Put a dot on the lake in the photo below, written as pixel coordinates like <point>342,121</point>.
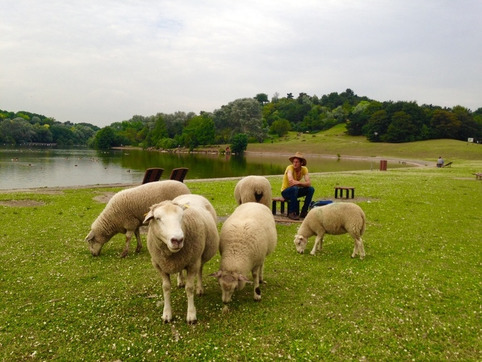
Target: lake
<point>49,167</point>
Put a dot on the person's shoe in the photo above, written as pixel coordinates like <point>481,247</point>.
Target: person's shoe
<point>293,216</point>
<point>303,214</point>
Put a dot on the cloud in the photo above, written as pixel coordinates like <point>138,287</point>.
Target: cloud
<point>102,62</point>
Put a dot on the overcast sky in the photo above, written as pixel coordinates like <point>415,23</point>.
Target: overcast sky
<point>103,61</point>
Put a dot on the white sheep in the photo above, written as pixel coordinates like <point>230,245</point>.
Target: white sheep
<point>246,238</point>
<point>181,237</point>
<point>194,200</point>
<point>125,212</point>
<point>333,219</point>
<point>253,189</point>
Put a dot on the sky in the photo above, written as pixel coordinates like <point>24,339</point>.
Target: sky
<point>105,61</point>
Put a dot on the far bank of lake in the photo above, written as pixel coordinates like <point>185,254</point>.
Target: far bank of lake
<point>53,167</point>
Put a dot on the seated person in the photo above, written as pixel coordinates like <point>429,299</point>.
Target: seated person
<point>293,187</point>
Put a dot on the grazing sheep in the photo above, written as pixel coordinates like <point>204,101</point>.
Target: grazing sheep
<point>125,212</point>
<point>334,219</point>
<point>253,189</point>
<point>246,238</point>
<point>181,237</point>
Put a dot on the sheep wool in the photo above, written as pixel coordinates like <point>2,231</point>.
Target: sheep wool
<point>253,189</point>
<point>196,200</point>
<point>126,210</point>
<point>246,238</point>
<point>181,237</point>
<point>334,219</point>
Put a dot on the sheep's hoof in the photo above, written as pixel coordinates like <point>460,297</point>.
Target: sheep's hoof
<point>194,321</point>
<point>124,253</point>
<point>166,320</point>
<point>138,249</point>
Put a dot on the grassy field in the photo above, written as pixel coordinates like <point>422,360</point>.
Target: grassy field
<point>416,296</point>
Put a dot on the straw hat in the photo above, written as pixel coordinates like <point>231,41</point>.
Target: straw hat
<point>299,156</point>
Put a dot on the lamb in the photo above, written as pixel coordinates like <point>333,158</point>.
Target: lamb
<point>334,219</point>
<point>181,237</point>
<point>125,212</point>
<point>246,238</point>
<point>253,189</point>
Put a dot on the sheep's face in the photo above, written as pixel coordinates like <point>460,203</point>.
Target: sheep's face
<point>300,243</point>
<point>167,217</point>
<point>229,282</point>
<point>96,242</point>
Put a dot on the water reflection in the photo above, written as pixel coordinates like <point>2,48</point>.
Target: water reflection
<point>40,167</point>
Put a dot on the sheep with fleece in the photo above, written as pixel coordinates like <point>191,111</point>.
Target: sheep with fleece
<point>181,237</point>
<point>253,189</point>
<point>194,200</point>
<point>125,211</point>
<point>246,238</point>
<point>333,219</point>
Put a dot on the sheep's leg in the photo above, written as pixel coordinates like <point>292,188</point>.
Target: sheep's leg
<point>318,244</point>
<point>128,241</point>
<point>257,291</point>
<point>180,279</point>
<point>166,289</point>
<point>360,248</point>
<point>191,308</point>
<point>199,282</point>
<point>139,240</point>
<point>261,271</point>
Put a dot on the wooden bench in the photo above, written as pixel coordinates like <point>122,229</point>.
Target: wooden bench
<point>282,202</point>
<point>178,174</point>
<point>152,174</point>
<point>448,164</point>
<point>349,191</point>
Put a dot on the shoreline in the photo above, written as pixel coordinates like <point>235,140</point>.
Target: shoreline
<point>58,189</point>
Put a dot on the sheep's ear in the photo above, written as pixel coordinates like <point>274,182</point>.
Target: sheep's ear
<point>148,217</point>
<point>216,274</point>
<point>90,237</point>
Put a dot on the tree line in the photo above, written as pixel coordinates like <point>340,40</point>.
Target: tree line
<point>255,120</point>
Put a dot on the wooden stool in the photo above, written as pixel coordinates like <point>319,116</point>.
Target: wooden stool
<point>347,189</point>
<point>282,202</point>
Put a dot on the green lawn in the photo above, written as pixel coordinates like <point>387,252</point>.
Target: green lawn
<point>416,295</point>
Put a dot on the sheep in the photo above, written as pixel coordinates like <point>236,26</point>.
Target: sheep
<point>246,238</point>
<point>333,219</point>
<point>253,189</point>
<point>125,212</point>
<point>194,200</point>
<point>181,237</point>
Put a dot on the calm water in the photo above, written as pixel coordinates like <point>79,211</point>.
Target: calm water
<point>47,167</point>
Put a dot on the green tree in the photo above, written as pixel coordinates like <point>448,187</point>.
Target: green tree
<point>401,128</point>
<point>445,124</point>
<point>262,98</point>
<point>239,143</point>
<point>105,138</point>
<point>280,127</point>
<point>199,131</point>
<point>377,126</point>
<point>240,116</point>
